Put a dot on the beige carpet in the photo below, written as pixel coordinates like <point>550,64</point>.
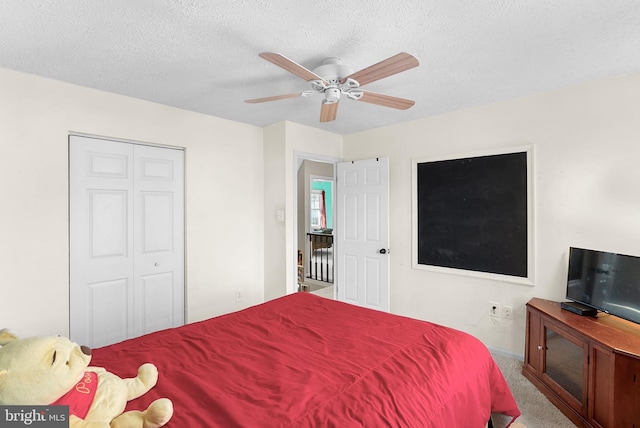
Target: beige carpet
<point>537,411</point>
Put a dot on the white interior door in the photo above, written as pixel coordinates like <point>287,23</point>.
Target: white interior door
<point>362,253</point>
<point>126,212</point>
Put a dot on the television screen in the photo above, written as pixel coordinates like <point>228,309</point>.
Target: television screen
<point>608,282</point>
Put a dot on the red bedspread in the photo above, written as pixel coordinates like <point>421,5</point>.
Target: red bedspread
<point>306,361</point>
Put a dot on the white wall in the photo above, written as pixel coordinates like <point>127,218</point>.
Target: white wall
<point>586,160</point>
<point>587,178</point>
<point>274,200</point>
<point>224,197</point>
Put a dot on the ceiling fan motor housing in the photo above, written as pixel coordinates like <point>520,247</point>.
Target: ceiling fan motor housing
<point>332,70</point>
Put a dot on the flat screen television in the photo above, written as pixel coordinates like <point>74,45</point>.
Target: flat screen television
<point>608,282</point>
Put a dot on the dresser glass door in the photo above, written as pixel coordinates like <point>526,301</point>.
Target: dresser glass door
<point>564,363</point>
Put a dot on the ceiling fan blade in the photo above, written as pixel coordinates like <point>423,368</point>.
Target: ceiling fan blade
<point>388,67</point>
<point>386,100</point>
<point>328,111</point>
<point>273,98</point>
<point>290,66</point>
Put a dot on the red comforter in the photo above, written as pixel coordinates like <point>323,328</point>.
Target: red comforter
<point>306,361</point>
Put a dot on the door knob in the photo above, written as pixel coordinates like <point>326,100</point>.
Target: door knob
<point>156,264</point>
<point>383,251</point>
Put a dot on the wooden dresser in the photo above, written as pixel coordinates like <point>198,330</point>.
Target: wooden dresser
<point>589,367</point>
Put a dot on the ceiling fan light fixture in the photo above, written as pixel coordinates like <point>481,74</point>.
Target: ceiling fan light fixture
<point>332,95</point>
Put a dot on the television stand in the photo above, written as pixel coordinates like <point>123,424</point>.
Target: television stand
<point>589,367</point>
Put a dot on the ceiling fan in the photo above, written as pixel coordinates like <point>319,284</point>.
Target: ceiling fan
<point>333,78</point>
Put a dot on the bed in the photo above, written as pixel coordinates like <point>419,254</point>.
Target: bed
<point>306,361</point>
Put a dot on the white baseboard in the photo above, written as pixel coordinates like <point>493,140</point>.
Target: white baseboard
<point>505,353</point>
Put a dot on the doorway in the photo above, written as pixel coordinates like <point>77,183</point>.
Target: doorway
<point>314,223</point>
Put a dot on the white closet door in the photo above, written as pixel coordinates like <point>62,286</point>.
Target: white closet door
<point>126,208</point>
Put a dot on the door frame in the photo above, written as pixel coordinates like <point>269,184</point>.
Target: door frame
<point>125,140</point>
<point>292,255</point>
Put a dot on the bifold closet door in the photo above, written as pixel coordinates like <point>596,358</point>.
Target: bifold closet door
<point>126,212</point>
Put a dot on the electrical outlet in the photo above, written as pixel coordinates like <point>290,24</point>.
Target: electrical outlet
<point>507,312</point>
<point>238,296</point>
<point>494,309</point>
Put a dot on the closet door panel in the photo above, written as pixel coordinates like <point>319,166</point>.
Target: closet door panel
<point>156,299</point>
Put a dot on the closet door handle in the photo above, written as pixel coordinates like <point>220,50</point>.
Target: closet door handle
<point>383,251</point>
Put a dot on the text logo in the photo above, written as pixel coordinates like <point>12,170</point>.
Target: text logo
<point>34,416</point>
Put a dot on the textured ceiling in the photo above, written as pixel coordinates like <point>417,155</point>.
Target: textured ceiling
<point>203,55</point>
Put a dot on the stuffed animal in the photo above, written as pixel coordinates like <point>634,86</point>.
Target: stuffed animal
<point>52,370</point>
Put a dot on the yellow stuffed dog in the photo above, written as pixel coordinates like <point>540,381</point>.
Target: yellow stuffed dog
<point>55,371</point>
